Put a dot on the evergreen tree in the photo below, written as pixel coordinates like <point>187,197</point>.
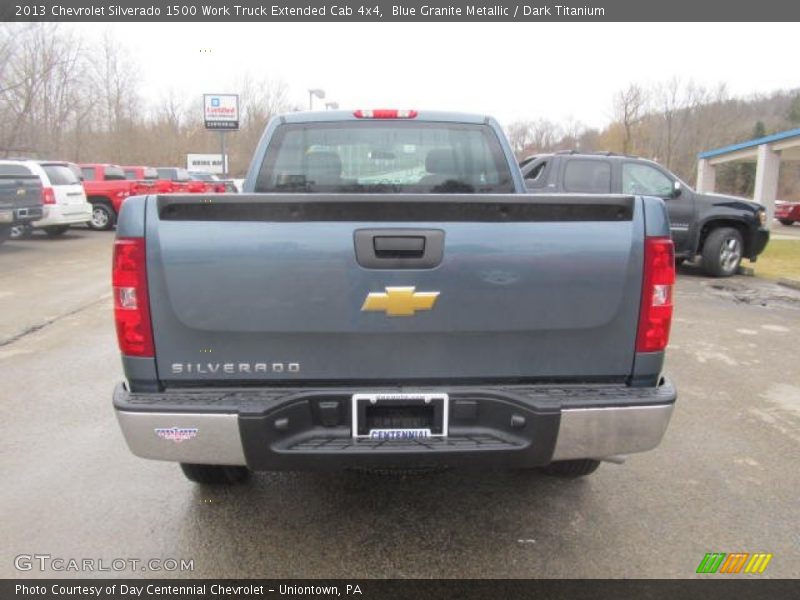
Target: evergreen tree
<point>794,111</point>
<point>747,171</point>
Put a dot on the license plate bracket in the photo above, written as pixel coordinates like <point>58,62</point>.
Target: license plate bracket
<point>400,416</point>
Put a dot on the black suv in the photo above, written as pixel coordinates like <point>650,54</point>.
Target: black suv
<point>721,229</point>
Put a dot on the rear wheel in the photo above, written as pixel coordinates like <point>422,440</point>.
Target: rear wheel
<point>722,252</point>
<point>103,217</point>
<point>56,230</point>
<point>786,221</point>
<point>572,468</point>
<point>215,474</point>
<point>679,261</point>
<point>5,233</point>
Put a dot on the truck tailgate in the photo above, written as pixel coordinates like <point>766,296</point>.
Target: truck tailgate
<point>20,192</point>
<point>268,287</point>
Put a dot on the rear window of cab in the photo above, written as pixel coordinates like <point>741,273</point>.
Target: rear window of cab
<point>389,156</point>
<point>14,171</point>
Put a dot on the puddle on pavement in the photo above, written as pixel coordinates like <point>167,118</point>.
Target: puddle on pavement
<point>757,293</point>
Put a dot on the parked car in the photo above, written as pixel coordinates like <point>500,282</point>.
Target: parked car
<point>788,213</point>
<point>720,229</point>
<point>182,182</point>
<point>385,295</point>
<point>107,188</point>
<point>147,180</point>
<point>21,197</point>
<point>64,201</point>
<point>214,183</point>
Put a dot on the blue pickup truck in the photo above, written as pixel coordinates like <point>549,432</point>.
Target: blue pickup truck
<point>384,294</point>
<point>20,197</point>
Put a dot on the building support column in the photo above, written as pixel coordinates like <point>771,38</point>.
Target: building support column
<point>766,187</point>
<point>706,176</point>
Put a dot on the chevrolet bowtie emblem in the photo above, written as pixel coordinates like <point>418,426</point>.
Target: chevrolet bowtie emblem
<point>400,301</point>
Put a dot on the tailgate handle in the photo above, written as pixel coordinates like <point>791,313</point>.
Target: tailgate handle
<point>399,248</point>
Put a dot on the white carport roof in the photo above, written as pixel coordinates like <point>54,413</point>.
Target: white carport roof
<point>785,142</point>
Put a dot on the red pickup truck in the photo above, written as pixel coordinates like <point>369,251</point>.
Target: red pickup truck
<point>171,180</point>
<point>147,180</point>
<point>181,181</point>
<point>214,183</point>
<point>106,189</point>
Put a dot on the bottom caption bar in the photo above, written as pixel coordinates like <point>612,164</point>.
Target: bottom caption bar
<point>468,589</point>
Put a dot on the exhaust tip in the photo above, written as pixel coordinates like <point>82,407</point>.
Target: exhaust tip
<point>617,459</point>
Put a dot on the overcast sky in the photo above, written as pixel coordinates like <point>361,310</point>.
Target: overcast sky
<point>509,70</point>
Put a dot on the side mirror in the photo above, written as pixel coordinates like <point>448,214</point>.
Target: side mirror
<point>677,189</point>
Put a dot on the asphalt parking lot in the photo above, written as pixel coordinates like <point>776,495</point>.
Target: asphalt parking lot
<point>725,479</point>
<point>786,232</point>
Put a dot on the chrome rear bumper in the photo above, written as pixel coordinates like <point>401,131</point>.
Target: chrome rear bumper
<point>273,429</point>
<point>602,432</point>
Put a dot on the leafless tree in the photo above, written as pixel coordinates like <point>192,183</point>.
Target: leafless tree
<point>115,82</point>
<point>519,136</point>
<point>260,99</point>
<point>630,106</point>
<point>8,37</point>
<point>41,80</point>
<point>529,137</point>
<point>572,132</point>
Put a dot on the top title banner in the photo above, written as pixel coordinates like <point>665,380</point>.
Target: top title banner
<point>402,10</point>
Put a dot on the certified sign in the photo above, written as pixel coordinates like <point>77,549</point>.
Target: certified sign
<point>221,111</point>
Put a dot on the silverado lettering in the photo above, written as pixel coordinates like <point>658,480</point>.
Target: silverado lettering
<point>231,368</point>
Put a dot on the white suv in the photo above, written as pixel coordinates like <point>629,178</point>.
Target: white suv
<point>64,200</point>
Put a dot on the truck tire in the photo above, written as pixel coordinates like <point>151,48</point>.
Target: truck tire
<point>103,216</point>
<point>786,221</point>
<point>722,252</point>
<point>215,474</point>
<point>572,468</point>
<point>5,233</point>
<point>56,230</point>
<point>21,232</point>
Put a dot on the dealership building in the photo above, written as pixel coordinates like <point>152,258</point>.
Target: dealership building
<point>767,152</point>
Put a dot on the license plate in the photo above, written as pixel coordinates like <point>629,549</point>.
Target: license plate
<point>400,416</point>
<point>398,434</point>
<point>6,216</point>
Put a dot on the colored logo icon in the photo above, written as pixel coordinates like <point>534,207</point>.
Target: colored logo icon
<point>734,563</point>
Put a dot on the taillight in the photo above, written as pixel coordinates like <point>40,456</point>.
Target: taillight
<point>48,195</point>
<point>385,113</point>
<point>655,315</point>
<point>131,304</point>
